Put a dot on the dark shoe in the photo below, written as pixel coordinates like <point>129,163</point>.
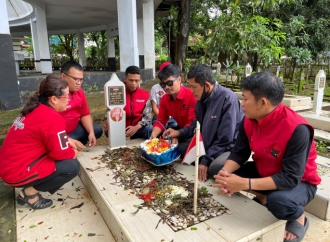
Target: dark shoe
<point>39,204</point>
<point>296,228</point>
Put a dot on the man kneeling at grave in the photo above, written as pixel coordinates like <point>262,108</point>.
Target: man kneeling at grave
<point>77,117</point>
<point>137,108</point>
<point>219,113</point>
<point>179,103</point>
<point>282,174</point>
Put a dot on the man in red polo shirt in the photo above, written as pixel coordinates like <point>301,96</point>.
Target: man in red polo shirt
<point>178,102</point>
<point>79,123</point>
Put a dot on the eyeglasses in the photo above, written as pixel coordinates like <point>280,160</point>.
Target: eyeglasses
<point>168,83</point>
<point>75,78</point>
<point>64,96</point>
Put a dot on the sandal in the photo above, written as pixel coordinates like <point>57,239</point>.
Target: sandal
<point>296,228</point>
<point>39,204</point>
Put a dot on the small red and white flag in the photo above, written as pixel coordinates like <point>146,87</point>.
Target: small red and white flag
<point>190,155</point>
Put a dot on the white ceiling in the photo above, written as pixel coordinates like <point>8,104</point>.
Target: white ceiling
<point>65,16</point>
<point>18,9</point>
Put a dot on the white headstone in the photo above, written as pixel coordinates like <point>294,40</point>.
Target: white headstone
<point>218,69</point>
<point>278,71</point>
<point>115,101</point>
<point>319,91</point>
<point>247,70</point>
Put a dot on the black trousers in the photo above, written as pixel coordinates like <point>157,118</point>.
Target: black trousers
<point>66,170</point>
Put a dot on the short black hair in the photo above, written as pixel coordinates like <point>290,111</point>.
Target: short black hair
<point>202,73</point>
<point>132,70</point>
<point>170,70</point>
<point>66,66</point>
<point>265,84</point>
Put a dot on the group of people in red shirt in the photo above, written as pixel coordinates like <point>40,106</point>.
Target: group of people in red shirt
<point>39,151</point>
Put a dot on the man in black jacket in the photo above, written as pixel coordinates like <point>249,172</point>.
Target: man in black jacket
<point>219,113</point>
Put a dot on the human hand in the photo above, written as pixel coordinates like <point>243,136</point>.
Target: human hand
<point>202,173</point>
<point>106,126</point>
<point>76,144</point>
<point>91,139</point>
<point>75,153</point>
<point>229,183</point>
<point>174,141</point>
<point>171,133</point>
<point>152,136</point>
<point>220,182</point>
<point>131,130</point>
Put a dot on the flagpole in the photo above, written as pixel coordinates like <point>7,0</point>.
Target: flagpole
<point>196,166</point>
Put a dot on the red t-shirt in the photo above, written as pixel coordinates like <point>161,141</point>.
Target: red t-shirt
<point>77,108</point>
<point>182,109</point>
<point>32,145</point>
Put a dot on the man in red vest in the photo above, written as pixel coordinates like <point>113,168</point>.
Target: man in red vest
<point>137,108</point>
<point>282,174</point>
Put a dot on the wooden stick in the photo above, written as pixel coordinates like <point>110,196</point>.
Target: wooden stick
<point>196,166</point>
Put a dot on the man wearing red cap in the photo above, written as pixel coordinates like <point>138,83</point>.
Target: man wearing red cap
<point>178,102</point>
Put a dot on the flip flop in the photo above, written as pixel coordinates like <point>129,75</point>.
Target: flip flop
<point>296,228</point>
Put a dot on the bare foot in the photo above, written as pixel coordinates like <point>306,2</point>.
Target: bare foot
<point>290,236</point>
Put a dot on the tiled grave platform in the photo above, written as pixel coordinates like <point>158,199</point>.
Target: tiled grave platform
<point>249,221</point>
<point>62,224</point>
<point>320,205</point>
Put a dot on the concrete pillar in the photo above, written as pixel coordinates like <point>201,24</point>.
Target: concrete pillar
<point>81,49</point>
<point>149,35</point>
<point>9,94</point>
<point>45,61</point>
<point>111,50</point>
<point>127,33</point>
<point>140,42</point>
<point>35,42</point>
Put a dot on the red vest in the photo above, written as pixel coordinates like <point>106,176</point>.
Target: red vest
<point>135,104</point>
<point>269,137</point>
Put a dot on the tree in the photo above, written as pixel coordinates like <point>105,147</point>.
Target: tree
<point>67,45</point>
<point>245,34</point>
<point>100,39</point>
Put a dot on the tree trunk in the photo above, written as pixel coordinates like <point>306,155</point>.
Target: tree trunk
<point>255,62</point>
<point>222,58</point>
<point>184,30</point>
<point>294,71</point>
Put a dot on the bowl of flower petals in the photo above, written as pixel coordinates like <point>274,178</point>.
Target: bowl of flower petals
<point>159,152</point>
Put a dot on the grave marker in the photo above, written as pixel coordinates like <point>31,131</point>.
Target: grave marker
<point>115,101</point>
<point>319,91</point>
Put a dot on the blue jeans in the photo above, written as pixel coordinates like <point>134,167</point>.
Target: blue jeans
<point>66,170</point>
<point>284,205</point>
<point>171,123</point>
<point>143,133</point>
<point>81,134</point>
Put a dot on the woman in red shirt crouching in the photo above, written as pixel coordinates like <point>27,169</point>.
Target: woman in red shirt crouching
<point>37,154</point>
